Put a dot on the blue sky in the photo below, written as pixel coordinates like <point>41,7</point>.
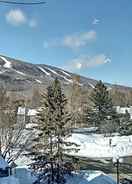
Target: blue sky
<point>89,37</point>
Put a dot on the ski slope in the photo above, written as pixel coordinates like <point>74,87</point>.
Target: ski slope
<point>98,146</point>
<point>44,71</point>
<point>7,63</point>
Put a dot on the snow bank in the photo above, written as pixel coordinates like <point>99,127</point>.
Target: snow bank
<point>98,146</point>
<point>9,180</point>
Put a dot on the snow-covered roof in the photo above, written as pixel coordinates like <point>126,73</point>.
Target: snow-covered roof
<point>3,163</point>
<point>102,179</point>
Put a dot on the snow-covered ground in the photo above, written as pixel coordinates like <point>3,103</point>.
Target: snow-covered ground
<point>98,146</point>
<point>92,146</point>
<point>24,176</point>
<point>9,180</point>
<point>90,177</point>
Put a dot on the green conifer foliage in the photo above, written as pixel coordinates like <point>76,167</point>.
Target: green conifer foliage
<point>103,112</point>
<point>51,145</point>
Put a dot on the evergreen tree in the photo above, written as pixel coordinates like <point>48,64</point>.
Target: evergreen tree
<point>103,111</point>
<point>125,124</point>
<point>53,121</point>
<point>13,137</point>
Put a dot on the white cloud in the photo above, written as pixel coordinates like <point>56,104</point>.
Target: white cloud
<point>80,40</point>
<point>95,21</point>
<point>73,41</point>
<point>84,62</point>
<point>16,17</point>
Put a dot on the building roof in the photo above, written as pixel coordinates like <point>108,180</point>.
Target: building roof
<point>102,179</point>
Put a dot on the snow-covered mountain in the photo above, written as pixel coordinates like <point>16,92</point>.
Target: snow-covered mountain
<point>18,75</point>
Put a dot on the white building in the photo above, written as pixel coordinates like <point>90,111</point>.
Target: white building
<point>122,110</point>
<point>26,114</point>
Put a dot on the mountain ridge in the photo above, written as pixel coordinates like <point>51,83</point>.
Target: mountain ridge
<point>20,75</point>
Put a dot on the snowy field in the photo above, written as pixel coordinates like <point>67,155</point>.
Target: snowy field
<point>91,146</point>
<point>98,146</point>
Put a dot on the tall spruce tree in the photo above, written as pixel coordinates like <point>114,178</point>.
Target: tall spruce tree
<point>103,111</point>
<point>50,146</point>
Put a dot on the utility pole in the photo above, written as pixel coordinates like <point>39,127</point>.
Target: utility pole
<point>116,161</point>
<point>117,171</point>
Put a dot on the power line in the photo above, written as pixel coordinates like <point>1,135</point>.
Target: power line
<point>22,3</point>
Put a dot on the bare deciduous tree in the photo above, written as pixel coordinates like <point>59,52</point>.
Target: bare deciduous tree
<point>14,138</point>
